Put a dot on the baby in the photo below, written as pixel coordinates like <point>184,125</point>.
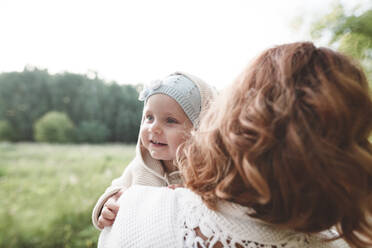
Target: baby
<point>172,108</point>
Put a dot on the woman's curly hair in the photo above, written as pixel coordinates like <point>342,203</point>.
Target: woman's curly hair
<point>290,140</point>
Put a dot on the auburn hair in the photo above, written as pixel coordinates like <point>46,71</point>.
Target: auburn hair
<point>289,139</point>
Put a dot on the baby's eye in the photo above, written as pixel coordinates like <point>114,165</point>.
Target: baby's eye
<point>171,120</point>
<point>149,117</point>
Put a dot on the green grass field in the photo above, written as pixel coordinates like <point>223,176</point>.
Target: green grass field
<point>47,192</point>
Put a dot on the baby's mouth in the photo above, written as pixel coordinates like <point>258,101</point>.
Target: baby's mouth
<point>157,143</point>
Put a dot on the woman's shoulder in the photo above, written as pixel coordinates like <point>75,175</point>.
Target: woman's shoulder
<point>159,197</point>
<point>181,218</point>
<point>168,205</point>
<point>151,215</point>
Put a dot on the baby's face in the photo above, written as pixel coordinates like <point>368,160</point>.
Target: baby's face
<point>165,126</point>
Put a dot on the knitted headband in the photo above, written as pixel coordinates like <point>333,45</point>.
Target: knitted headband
<point>179,87</point>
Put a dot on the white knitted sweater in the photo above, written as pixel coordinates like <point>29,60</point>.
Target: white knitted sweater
<point>161,217</point>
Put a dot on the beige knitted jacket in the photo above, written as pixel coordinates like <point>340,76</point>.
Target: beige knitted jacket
<point>143,169</point>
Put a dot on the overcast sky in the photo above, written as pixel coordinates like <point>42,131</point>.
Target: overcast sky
<point>136,41</point>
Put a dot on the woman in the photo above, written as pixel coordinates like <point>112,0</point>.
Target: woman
<point>282,159</point>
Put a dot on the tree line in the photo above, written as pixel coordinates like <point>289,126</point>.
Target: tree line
<point>93,107</point>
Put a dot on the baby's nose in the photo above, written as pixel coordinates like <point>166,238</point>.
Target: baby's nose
<point>155,127</point>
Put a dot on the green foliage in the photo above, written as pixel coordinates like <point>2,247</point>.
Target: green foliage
<point>55,127</point>
<point>2,172</point>
<point>48,192</point>
<point>126,110</point>
<point>26,96</point>
<point>92,132</point>
<point>6,132</point>
<point>349,31</point>
<point>89,100</point>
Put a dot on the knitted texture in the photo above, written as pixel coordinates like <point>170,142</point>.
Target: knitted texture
<point>161,217</point>
<point>207,93</point>
<point>181,89</point>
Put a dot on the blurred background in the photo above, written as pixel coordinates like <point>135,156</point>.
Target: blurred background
<point>70,73</point>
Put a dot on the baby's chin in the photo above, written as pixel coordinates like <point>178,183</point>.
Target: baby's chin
<point>160,156</point>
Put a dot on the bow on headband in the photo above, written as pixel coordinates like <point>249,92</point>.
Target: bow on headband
<point>147,89</point>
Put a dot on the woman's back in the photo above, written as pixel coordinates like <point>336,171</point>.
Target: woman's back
<point>178,218</point>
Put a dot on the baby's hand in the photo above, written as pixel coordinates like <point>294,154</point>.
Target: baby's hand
<point>173,186</point>
<point>109,210</point>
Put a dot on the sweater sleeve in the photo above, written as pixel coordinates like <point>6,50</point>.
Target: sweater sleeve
<point>146,218</point>
<point>124,181</point>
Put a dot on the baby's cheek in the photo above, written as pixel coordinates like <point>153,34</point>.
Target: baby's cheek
<point>143,135</point>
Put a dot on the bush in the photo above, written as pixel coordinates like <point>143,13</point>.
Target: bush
<point>92,132</point>
<point>7,133</point>
<point>54,127</point>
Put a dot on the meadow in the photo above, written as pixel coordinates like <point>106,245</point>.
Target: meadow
<point>47,192</point>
